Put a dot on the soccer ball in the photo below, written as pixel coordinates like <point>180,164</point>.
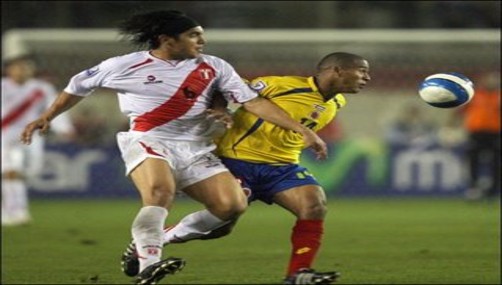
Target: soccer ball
<point>446,90</point>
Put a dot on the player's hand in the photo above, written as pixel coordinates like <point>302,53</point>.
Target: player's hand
<point>311,139</point>
<point>39,124</point>
<point>221,115</point>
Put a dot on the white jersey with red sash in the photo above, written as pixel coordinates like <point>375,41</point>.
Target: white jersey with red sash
<point>21,104</point>
<point>166,99</point>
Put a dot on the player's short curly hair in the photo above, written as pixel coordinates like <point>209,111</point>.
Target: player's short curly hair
<point>342,59</point>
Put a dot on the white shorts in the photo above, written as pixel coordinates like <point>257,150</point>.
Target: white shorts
<point>191,162</point>
<point>25,159</point>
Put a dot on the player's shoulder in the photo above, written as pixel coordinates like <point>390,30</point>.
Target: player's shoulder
<point>212,60</point>
<point>289,80</point>
<point>40,83</point>
<point>128,60</point>
<point>48,88</point>
<point>281,82</point>
<point>340,100</point>
<point>209,57</point>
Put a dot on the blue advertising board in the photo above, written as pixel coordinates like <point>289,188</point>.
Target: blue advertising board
<point>376,168</point>
<point>355,167</point>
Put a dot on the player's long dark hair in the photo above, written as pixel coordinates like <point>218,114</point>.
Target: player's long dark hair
<point>144,29</point>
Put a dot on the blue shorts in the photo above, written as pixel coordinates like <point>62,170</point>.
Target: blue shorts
<point>265,180</point>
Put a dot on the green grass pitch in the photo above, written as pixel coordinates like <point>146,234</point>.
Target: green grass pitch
<point>370,241</point>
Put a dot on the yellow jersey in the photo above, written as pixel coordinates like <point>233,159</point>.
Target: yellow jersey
<point>254,140</point>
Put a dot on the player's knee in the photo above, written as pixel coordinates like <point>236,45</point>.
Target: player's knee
<point>159,195</point>
<point>234,210</point>
<point>229,208</point>
<point>314,211</point>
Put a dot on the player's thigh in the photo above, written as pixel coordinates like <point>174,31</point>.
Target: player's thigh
<point>34,162</point>
<point>305,201</point>
<point>13,162</point>
<point>155,182</point>
<point>220,191</point>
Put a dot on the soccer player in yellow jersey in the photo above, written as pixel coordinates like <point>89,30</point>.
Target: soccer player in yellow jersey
<point>265,158</point>
<point>253,140</point>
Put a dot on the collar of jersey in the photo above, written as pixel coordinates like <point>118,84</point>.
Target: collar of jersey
<point>171,62</point>
<point>312,84</point>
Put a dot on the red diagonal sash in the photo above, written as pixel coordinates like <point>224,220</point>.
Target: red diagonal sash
<point>184,98</point>
<point>22,108</point>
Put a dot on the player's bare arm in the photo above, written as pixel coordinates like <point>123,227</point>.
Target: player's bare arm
<point>268,111</point>
<point>64,102</point>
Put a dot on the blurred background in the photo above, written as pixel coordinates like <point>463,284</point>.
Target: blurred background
<point>262,14</point>
<point>385,142</point>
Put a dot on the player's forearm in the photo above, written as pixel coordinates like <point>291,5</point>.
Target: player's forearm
<point>270,112</point>
<point>62,103</point>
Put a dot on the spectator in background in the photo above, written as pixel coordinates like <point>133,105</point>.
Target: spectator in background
<point>481,120</point>
<point>411,128</point>
<point>24,98</point>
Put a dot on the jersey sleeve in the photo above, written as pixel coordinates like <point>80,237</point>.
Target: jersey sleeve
<point>263,87</point>
<point>231,85</point>
<point>85,82</point>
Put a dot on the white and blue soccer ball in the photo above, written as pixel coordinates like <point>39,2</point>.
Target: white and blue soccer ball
<point>446,90</point>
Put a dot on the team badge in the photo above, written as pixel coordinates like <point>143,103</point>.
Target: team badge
<point>317,111</point>
<point>206,73</point>
<point>258,85</point>
<point>93,70</point>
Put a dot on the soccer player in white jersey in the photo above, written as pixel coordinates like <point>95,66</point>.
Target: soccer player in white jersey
<point>24,98</point>
<point>166,91</point>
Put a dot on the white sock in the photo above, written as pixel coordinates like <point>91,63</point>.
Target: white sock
<point>147,231</point>
<point>6,201</point>
<point>193,226</point>
<point>14,200</point>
